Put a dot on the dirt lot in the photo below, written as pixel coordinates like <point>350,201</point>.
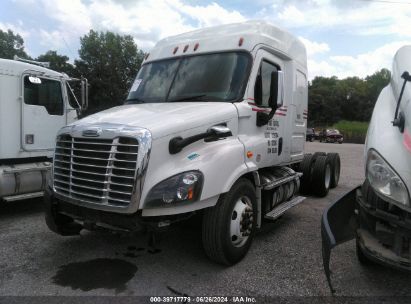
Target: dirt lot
<point>285,259</point>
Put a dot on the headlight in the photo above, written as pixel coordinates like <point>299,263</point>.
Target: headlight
<point>180,188</point>
<point>385,180</point>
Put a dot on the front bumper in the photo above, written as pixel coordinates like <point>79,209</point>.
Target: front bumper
<point>384,233</point>
<point>382,236</point>
<point>93,218</point>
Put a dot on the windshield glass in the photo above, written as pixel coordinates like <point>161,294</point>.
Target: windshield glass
<point>216,77</point>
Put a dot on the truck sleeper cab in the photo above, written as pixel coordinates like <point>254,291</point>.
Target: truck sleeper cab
<point>212,124</point>
<point>377,214</point>
<point>35,102</point>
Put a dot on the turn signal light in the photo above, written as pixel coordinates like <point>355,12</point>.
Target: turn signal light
<point>249,154</point>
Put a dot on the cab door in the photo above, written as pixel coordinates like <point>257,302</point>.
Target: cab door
<point>271,136</point>
<point>43,112</point>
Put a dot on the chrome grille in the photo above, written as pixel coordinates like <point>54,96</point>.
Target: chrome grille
<point>99,171</point>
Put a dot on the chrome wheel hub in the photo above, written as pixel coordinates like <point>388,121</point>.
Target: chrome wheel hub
<point>241,221</point>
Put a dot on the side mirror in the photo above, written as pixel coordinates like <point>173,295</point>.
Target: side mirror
<point>277,90</point>
<point>276,98</point>
<point>84,93</point>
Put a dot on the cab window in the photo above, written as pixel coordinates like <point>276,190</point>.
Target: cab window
<point>262,83</point>
<point>44,92</point>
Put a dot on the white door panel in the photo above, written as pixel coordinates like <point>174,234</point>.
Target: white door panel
<point>43,112</point>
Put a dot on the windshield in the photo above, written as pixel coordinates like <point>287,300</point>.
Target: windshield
<point>216,77</point>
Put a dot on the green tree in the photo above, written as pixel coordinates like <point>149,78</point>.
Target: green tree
<point>323,105</point>
<point>352,96</point>
<point>331,99</point>
<point>376,82</point>
<point>110,62</point>
<point>57,62</point>
<point>11,44</point>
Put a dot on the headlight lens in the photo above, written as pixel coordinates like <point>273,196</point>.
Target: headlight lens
<point>180,188</point>
<point>385,180</point>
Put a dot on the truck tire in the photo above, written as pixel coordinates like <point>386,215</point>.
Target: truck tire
<point>59,223</point>
<point>321,176</point>
<point>224,238</point>
<point>316,154</point>
<point>334,159</point>
<point>305,169</point>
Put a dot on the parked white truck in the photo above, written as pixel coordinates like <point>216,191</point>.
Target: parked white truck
<point>378,213</point>
<point>34,105</point>
<point>214,123</point>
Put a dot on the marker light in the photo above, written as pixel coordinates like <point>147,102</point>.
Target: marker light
<point>240,42</point>
<point>175,50</point>
<point>249,154</point>
<point>185,48</point>
<point>196,46</point>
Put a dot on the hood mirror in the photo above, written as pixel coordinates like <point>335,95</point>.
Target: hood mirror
<point>399,118</point>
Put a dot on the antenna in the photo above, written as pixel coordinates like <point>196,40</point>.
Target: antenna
<point>42,64</point>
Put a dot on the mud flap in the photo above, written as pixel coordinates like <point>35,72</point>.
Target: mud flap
<point>338,225</point>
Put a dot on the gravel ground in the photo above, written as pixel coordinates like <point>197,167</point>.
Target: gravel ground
<point>284,260</point>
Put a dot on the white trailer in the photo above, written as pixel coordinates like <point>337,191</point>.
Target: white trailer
<point>34,105</point>
<point>214,124</point>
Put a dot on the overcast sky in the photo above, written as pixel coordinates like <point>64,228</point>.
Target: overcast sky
<point>343,37</point>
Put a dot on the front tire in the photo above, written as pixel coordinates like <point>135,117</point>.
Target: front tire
<point>229,226</point>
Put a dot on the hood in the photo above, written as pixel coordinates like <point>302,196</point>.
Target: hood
<point>163,119</point>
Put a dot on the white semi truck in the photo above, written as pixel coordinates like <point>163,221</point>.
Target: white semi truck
<point>378,213</point>
<point>35,102</point>
<point>214,124</point>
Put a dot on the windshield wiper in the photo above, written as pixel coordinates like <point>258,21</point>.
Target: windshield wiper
<point>134,101</point>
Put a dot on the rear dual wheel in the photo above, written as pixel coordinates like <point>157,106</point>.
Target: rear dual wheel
<point>321,171</point>
<point>335,162</point>
<point>321,176</point>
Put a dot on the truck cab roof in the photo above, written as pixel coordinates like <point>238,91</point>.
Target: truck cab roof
<point>237,36</point>
<point>16,68</point>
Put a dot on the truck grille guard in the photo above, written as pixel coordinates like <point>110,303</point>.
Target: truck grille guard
<point>105,172</point>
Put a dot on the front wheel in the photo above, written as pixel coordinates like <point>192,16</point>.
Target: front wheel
<point>229,226</point>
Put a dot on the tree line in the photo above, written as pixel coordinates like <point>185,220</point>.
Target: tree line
<point>352,99</point>
<point>111,61</point>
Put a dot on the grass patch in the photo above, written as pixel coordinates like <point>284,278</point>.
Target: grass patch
<point>352,127</point>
